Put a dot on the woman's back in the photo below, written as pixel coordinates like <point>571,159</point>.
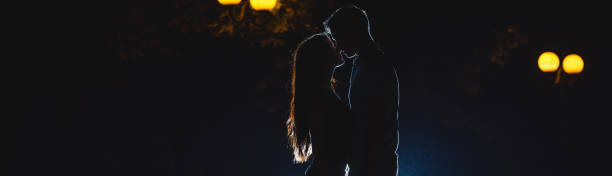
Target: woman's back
<point>315,100</point>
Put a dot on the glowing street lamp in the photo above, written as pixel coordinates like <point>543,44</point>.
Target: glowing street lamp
<point>263,4</point>
<point>548,62</point>
<point>573,64</point>
<point>229,2</point>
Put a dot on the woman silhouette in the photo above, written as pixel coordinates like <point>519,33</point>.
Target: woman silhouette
<point>317,117</point>
<point>361,132</point>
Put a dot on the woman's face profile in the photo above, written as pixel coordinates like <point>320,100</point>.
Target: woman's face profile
<point>344,43</point>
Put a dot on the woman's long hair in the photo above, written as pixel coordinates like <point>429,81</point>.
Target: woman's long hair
<point>297,132</point>
<point>297,128</point>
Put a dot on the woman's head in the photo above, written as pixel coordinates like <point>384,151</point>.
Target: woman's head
<point>350,29</point>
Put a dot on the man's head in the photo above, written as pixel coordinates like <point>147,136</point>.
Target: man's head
<point>350,29</point>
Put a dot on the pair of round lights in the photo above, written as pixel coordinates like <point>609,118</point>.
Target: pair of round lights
<point>549,62</point>
<point>255,4</point>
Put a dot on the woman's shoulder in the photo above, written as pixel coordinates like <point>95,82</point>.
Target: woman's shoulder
<point>314,42</point>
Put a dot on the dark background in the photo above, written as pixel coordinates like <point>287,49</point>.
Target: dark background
<point>217,106</point>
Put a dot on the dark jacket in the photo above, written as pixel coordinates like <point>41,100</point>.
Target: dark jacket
<point>374,102</point>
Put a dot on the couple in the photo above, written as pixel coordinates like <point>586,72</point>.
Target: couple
<point>334,129</point>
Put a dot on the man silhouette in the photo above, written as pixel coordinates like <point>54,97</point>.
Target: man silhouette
<point>373,95</point>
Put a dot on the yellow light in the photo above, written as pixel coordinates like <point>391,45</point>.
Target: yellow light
<point>229,2</point>
<point>263,4</point>
<point>548,62</point>
<point>573,64</point>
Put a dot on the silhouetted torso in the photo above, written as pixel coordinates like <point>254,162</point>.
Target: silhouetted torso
<point>327,115</point>
<point>374,100</point>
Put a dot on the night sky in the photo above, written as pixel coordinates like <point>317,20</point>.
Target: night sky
<point>110,88</point>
